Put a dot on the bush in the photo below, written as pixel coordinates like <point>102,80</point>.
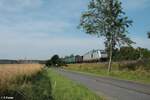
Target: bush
<point>140,64</point>
<point>128,66</point>
<point>144,64</point>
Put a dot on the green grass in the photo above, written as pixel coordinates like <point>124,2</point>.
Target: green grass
<point>65,89</point>
<point>139,75</point>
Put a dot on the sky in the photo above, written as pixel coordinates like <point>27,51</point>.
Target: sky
<point>38,29</point>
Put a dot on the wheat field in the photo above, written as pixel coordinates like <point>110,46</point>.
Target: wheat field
<point>9,73</point>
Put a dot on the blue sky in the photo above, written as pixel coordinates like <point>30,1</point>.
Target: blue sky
<point>37,29</point>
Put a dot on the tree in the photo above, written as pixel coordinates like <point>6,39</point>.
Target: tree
<point>54,61</point>
<point>148,33</point>
<point>105,18</point>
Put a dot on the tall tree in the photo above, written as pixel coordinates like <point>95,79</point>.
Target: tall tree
<point>148,33</point>
<point>105,18</point>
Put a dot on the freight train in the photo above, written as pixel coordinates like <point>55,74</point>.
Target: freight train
<point>91,56</point>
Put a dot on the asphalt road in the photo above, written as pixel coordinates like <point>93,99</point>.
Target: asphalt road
<point>112,89</point>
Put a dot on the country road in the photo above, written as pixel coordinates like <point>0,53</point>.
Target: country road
<point>112,89</point>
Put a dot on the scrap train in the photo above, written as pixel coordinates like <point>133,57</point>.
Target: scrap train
<point>91,56</point>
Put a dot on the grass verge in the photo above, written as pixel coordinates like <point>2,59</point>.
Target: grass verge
<point>141,76</point>
<point>64,89</point>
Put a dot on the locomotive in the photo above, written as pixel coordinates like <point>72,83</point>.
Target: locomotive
<point>91,56</point>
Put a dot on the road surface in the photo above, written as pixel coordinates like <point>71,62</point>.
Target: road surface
<point>112,89</point>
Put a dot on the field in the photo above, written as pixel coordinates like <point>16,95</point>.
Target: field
<point>138,75</point>
<point>34,82</point>
<point>24,82</point>
<point>11,74</point>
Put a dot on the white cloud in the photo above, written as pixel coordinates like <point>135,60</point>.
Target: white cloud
<point>34,26</point>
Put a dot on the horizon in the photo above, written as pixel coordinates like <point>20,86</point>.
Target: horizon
<point>38,29</point>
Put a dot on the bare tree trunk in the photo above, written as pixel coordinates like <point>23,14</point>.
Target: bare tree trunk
<point>110,61</point>
<point>110,57</point>
<point>111,38</point>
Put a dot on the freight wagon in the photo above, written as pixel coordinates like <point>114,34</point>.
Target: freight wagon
<point>78,59</point>
<point>69,60</point>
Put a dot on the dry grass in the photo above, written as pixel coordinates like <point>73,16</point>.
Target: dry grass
<point>139,75</point>
<point>9,73</point>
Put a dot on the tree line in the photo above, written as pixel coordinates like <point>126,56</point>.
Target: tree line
<point>130,54</point>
